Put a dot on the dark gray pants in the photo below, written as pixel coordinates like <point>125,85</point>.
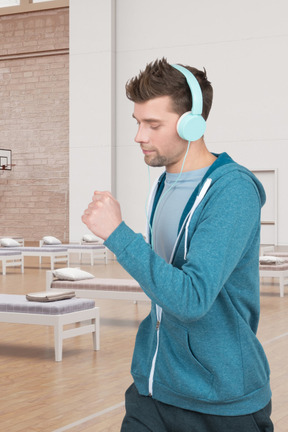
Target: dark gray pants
<point>145,414</point>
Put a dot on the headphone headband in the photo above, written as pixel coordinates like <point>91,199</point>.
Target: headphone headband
<point>197,99</point>
<point>191,125</point>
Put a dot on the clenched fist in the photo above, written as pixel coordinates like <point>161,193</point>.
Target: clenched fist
<point>103,214</point>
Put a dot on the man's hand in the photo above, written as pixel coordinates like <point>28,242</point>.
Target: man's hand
<point>103,214</point>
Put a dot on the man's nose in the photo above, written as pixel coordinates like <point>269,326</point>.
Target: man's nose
<point>142,135</point>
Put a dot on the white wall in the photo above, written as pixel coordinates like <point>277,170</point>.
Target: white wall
<point>92,95</point>
<point>243,47</point>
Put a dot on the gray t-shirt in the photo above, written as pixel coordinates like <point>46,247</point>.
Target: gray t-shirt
<point>170,207</point>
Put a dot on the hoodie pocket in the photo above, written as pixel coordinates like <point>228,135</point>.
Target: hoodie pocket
<point>177,367</point>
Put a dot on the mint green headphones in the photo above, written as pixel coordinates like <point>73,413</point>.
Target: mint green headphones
<point>191,125</point>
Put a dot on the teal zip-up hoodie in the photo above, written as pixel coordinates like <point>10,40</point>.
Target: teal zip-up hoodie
<point>197,349</point>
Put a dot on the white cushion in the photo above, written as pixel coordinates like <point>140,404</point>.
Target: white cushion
<point>8,242</point>
<point>267,259</point>
<point>50,240</point>
<point>73,274</point>
<point>90,238</point>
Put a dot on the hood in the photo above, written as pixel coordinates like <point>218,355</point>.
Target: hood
<point>223,166</point>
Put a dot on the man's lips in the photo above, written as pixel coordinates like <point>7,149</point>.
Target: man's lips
<point>146,151</point>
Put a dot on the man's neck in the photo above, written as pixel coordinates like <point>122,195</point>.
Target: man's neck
<point>198,161</point>
<point>198,157</point>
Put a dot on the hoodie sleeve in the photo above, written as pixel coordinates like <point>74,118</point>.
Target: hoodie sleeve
<point>222,229</point>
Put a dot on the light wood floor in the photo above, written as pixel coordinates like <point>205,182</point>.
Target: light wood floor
<point>85,392</point>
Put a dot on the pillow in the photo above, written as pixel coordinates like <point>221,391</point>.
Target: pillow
<point>49,240</point>
<point>72,274</point>
<point>8,242</point>
<point>90,238</point>
<point>267,259</point>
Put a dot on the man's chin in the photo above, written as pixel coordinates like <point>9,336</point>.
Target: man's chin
<point>156,163</point>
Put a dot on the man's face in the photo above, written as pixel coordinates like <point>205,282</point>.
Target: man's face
<point>157,134</point>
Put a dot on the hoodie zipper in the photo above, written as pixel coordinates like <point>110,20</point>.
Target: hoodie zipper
<point>158,316</point>
<point>186,223</point>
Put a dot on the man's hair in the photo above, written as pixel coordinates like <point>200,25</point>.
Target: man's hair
<point>159,78</point>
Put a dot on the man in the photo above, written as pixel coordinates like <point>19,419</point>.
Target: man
<point>197,364</point>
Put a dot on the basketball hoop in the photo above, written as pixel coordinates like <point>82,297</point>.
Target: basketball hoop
<point>5,160</point>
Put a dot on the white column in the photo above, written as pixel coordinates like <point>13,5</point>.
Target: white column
<point>92,102</point>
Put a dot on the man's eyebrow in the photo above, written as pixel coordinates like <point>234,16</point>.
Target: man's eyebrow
<point>148,120</point>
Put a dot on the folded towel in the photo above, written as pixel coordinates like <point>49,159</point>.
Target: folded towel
<point>47,296</point>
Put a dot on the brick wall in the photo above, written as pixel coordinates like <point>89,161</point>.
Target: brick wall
<point>34,124</point>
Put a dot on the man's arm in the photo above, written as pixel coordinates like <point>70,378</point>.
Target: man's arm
<point>226,228</point>
<point>217,245</point>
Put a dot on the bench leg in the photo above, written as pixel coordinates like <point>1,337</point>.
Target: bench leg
<point>58,341</point>
<point>281,283</point>
<point>96,332</point>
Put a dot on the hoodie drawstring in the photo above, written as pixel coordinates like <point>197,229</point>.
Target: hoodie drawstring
<point>197,201</point>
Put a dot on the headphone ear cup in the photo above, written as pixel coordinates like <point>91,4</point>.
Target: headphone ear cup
<point>191,127</point>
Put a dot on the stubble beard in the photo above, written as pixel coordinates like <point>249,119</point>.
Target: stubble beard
<point>156,161</point>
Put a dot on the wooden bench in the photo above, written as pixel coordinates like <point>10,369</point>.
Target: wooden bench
<point>119,289</point>
<point>93,250</point>
<point>17,309</point>
<point>279,271</point>
<point>11,259</point>
<point>56,254</point>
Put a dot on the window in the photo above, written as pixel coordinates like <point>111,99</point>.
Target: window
<point>20,6</point>
<point>40,1</point>
<point>8,3</point>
